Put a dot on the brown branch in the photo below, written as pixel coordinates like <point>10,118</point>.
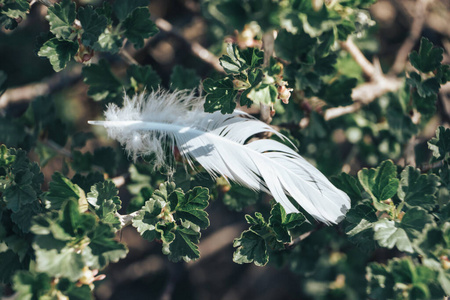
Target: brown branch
<point>366,66</point>
<point>49,85</point>
<point>126,56</point>
<point>365,93</point>
<point>419,18</point>
<point>197,49</point>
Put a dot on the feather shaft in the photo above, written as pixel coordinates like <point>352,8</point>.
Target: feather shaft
<point>218,143</point>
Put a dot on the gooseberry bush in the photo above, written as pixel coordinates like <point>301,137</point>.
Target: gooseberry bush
<point>308,67</point>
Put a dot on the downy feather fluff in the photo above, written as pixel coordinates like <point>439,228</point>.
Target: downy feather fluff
<point>146,123</point>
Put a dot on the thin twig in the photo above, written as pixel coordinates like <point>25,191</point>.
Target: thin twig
<point>48,86</point>
<point>54,146</point>
<point>366,66</point>
<point>197,49</point>
<point>127,56</point>
<point>427,167</point>
<point>365,93</point>
<point>420,13</point>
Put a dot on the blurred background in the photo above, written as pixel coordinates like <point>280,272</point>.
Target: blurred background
<point>191,36</point>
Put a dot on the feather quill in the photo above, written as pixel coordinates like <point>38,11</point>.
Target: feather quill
<point>146,123</point>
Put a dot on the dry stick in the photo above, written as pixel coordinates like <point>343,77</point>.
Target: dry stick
<point>126,56</point>
<point>410,41</point>
<point>49,85</point>
<point>367,92</point>
<point>367,67</point>
<point>58,81</point>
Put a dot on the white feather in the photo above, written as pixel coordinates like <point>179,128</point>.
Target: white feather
<point>146,123</point>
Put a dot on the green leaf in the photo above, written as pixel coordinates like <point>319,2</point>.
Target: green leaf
<point>10,264</point>
<point>444,280</point>
<point>440,145</point>
<point>103,85</point>
<point>232,62</point>
<point>255,244</point>
<point>425,88</point>
<point>143,78</point>
<point>425,105</point>
<point>103,196</point>
<point>122,9</point>
<point>428,59</point>
<point>414,221</point>
<point>27,179</point>
<point>79,139</point>
<point>138,26</point>
<point>339,92</point>
<point>190,207</point>
<point>93,25</point>
<point>108,41</point>
<point>381,183</point>
<point>349,185</point>
<point>184,246</point>
<point>175,218</point>
<point>57,132</point>
<point>66,263</point>
<point>61,190</point>
<point>308,80</point>
<point>239,197</point>
<point>105,157</point>
<point>361,218</point>
<point>253,57</point>
<point>3,78</point>
<point>183,79</point>
<point>389,235</point>
<point>59,52</point>
<point>6,158</point>
<point>326,66</point>
<point>380,281</point>
<point>418,190</point>
<point>294,47</point>
<point>81,162</point>
<point>443,74</point>
<point>399,120</point>
<point>85,182</point>
<point>103,249</point>
<point>61,17</point>
<point>7,22</point>
<point>68,241</point>
<point>103,191</point>
<point>74,290</point>
<point>251,247</point>
<point>73,222</point>
<point>23,217</point>
<point>282,223</point>
<point>220,95</point>
<point>147,219</point>
<point>19,194</point>
<point>31,286</point>
<point>15,9</point>
<point>266,95</point>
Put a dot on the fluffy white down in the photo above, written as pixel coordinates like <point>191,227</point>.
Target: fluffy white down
<point>149,122</point>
